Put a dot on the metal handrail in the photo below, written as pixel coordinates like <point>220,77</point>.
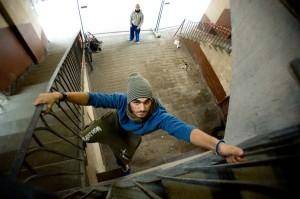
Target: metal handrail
<point>229,185</point>
<point>216,35</point>
<point>66,77</point>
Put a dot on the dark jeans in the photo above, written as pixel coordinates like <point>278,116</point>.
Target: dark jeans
<point>134,31</point>
<point>123,144</point>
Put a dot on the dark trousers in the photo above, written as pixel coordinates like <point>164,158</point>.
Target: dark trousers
<point>134,31</point>
<point>107,130</point>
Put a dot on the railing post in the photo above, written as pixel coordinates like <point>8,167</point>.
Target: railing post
<point>215,35</point>
<point>158,19</point>
<point>195,31</point>
<point>189,30</point>
<point>179,29</point>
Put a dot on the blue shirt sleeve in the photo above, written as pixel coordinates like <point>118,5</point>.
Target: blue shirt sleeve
<point>176,127</point>
<point>107,100</point>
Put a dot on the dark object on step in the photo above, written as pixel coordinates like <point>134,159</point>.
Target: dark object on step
<point>111,174</point>
<point>94,44</point>
<point>295,69</point>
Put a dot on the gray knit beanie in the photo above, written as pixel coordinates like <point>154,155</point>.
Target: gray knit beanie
<point>138,87</point>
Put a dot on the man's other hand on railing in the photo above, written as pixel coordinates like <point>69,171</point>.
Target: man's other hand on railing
<point>231,153</point>
<point>80,98</point>
<point>49,99</point>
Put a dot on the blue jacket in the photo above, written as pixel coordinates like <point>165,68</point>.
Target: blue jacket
<point>159,118</point>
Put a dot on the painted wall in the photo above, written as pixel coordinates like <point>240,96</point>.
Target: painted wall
<point>216,8</point>
<point>264,95</point>
<point>221,64</point>
<point>13,58</point>
<point>22,41</point>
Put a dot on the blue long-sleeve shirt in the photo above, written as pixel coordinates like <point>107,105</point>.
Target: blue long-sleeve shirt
<point>159,118</point>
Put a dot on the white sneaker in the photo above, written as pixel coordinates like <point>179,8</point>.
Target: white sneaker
<point>125,169</point>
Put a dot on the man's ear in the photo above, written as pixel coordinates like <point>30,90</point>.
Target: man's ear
<point>129,108</point>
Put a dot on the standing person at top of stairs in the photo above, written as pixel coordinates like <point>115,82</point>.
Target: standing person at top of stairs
<point>137,113</point>
<point>136,21</point>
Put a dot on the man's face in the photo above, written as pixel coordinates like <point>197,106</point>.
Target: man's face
<point>137,7</point>
<point>140,107</point>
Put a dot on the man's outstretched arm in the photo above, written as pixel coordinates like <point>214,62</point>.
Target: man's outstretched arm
<point>80,98</point>
<point>231,153</point>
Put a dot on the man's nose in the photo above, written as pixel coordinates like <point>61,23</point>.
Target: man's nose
<point>142,107</point>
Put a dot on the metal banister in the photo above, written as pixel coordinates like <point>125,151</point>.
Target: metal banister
<point>210,33</point>
<point>66,77</point>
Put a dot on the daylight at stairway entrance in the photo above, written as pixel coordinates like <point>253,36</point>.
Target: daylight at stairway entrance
<point>230,68</point>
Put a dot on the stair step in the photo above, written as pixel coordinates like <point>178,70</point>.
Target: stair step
<point>111,174</point>
<point>43,71</point>
<point>69,175</point>
<point>179,187</point>
<point>46,136</point>
<point>57,183</point>
<point>177,190</point>
<point>66,165</point>
<point>128,192</point>
<point>77,192</point>
<point>43,157</point>
<point>155,191</point>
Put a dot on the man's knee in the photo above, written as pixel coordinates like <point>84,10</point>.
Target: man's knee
<point>89,134</point>
<point>101,129</point>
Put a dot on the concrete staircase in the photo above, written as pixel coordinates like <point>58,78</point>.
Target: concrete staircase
<point>42,72</point>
